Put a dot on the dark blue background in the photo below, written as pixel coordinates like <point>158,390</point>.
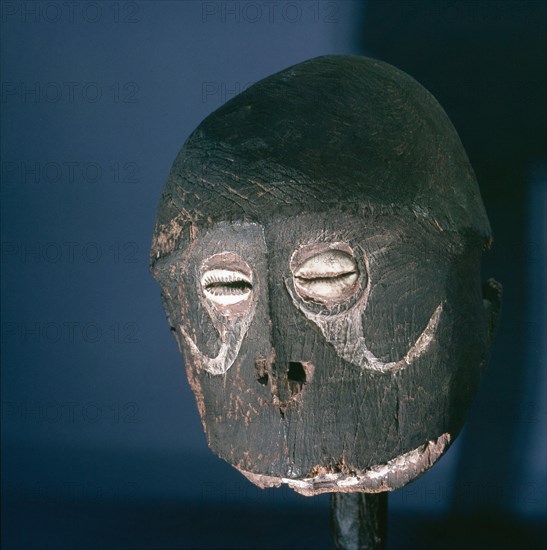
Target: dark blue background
<point>101,440</point>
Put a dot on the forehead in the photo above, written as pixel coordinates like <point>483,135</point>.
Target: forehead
<point>331,131</point>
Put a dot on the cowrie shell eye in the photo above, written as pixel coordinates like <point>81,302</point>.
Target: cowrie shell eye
<point>225,286</point>
<point>226,282</point>
<point>325,274</point>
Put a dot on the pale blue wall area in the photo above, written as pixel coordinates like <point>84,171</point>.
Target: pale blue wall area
<point>96,102</point>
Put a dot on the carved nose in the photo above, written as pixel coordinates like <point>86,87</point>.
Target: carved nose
<point>287,370</point>
<point>286,380</point>
<point>298,374</point>
<point>294,378</point>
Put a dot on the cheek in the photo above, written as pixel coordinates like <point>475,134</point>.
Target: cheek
<point>226,340</point>
<point>196,320</point>
<point>220,302</point>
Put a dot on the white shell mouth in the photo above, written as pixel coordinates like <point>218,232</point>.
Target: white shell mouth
<point>226,286</point>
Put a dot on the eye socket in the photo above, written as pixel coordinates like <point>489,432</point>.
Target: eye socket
<point>227,283</point>
<point>325,274</point>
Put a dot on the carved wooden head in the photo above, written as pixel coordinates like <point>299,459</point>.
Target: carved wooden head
<point>318,244</point>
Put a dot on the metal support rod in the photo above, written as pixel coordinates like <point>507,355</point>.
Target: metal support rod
<point>359,521</point>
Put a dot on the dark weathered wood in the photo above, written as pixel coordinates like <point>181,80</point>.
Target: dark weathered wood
<point>359,521</point>
<point>318,246</point>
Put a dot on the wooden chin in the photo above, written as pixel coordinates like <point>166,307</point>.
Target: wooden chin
<point>383,477</point>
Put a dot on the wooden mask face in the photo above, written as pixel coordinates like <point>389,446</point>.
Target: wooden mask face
<point>318,247</point>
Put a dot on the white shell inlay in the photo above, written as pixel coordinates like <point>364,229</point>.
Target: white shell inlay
<point>326,287</point>
<point>226,286</point>
<point>330,263</point>
<point>326,276</point>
